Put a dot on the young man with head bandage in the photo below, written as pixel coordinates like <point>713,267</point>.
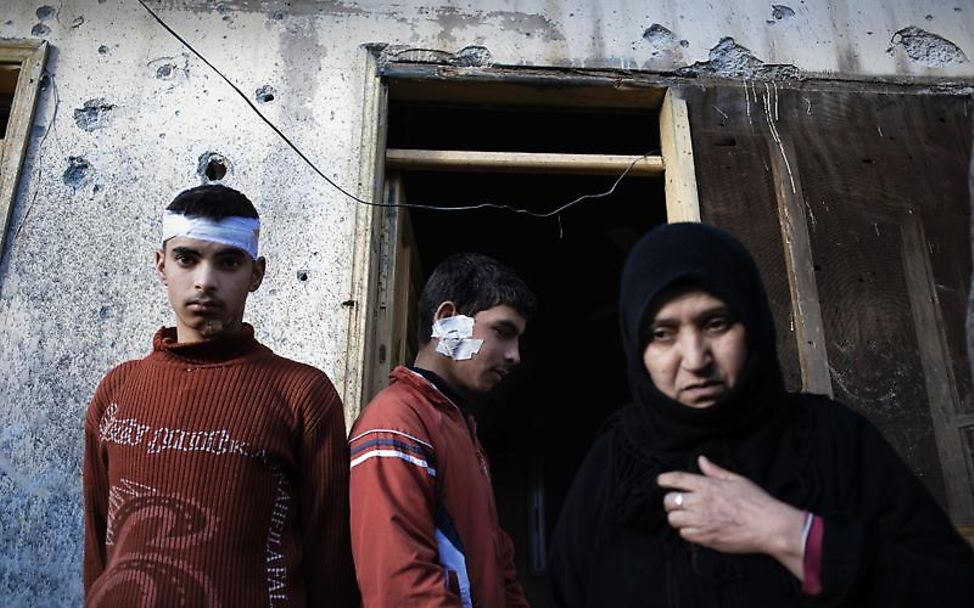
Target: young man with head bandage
<point>424,525</point>
<point>216,472</point>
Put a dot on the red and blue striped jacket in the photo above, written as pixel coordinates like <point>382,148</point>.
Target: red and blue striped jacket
<point>423,519</point>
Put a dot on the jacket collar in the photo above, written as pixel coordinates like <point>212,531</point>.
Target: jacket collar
<point>429,390</point>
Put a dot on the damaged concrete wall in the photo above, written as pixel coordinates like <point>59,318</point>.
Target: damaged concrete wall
<point>128,116</point>
<point>868,38</point>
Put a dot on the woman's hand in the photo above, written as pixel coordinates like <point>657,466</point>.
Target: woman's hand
<point>729,513</point>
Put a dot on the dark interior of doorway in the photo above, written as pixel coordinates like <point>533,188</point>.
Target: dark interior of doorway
<point>8,86</point>
<point>539,424</point>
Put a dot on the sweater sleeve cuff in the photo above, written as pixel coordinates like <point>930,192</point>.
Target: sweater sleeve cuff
<point>812,561</point>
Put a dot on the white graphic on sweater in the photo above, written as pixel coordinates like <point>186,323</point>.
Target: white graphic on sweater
<point>117,495</point>
<point>149,559</point>
<point>212,442</point>
<point>276,562</point>
<point>131,432</point>
<point>126,431</point>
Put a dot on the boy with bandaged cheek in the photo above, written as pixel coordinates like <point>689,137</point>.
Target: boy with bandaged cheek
<point>424,525</point>
<point>216,472</point>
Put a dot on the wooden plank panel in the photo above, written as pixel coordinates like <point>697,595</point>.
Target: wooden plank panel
<point>951,276</point>
<point>873,351</point>
<point>521,162</point>
<point>871,164</point>
<point>861,162</point>
<point>937,368</point>
<point>682,201</point>
<point>807,314</point>
<point>409,285</point>
<point>737,193</point>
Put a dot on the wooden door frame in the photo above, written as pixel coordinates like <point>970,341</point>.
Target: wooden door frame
<point>30,56</point>
<point>374,258</point>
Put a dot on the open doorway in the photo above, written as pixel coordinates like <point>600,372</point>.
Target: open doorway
<point>539,426</point>
<point>541,422</point>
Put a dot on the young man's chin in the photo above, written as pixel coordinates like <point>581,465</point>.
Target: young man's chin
<point>487,384</point>
<point>214,328</point>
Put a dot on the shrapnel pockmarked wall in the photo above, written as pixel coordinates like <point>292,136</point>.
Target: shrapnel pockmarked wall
<point>128,116</point>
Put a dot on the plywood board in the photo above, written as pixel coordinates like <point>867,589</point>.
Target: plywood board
<point>737,193</point>
<point>875,166</point>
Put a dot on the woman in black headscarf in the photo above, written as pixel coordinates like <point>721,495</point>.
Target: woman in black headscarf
<point>719,488</point>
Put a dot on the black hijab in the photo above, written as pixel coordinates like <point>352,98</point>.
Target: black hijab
<point>887,542</point>
<point>656,433</point>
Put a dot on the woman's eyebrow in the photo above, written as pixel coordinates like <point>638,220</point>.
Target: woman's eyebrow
<point>719,309</point>
<point>715,310</point>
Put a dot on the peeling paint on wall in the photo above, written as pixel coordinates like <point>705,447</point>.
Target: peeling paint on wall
<point>467,57</point>
<point>270,7</point>
<point>300,40</point>
<point>451,19</point>
<point>528,24</point>
<point>170,68</point>
<point>45,12</point>
<point>166,71</point>
<point>731,60</point>
<point>77,172</point>
<point>662,39</point>
<point>213,166</point>
<point>780,12</point>
<point>94,114</point>
<point>471,57</point>
<point>926,47</point>
<point>265,94</point>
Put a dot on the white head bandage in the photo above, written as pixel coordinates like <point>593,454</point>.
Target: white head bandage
<point>239,232</point>
<point>455,334</point>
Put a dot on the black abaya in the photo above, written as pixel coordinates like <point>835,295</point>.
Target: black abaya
<point>886,542</point>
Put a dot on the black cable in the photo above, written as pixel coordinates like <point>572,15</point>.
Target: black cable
<point>349,194</point>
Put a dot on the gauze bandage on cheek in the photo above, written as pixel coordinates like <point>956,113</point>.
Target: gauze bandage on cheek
<point>454,334</point>
<point>239,232</point>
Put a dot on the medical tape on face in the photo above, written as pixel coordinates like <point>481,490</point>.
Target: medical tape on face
<point>454,334</point>
<point>239,232</point>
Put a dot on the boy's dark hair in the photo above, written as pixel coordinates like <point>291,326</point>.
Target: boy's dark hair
<point>474,282</point>
<point>212,201</point>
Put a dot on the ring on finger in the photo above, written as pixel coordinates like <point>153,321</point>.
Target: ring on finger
<point>678,500</point>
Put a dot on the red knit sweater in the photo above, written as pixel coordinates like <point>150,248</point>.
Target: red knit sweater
<point>216,474</point>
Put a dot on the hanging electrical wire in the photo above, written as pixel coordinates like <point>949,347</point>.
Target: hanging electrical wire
<point>362,201</point>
